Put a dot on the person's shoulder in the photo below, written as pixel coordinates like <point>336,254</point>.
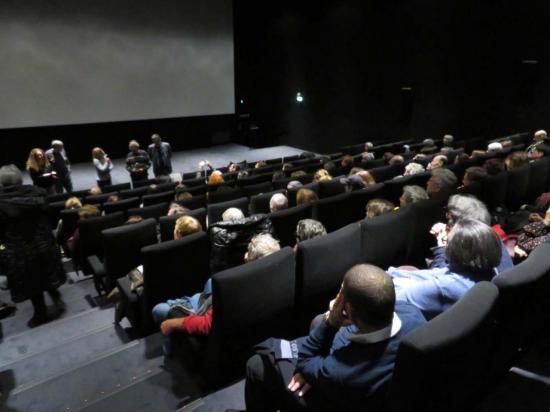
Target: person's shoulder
<point>410,316</point>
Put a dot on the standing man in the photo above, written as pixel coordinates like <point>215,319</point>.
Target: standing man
<point>161,154</point>
<point>61,165</point>
<point>137,162</point>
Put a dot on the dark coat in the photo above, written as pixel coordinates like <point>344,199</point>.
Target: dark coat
<point>229,240</point>
<point>29,255</point>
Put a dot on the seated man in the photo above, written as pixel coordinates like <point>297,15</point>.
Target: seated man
<point>348,357</point>
<point>199,306</point>
<point>442,183</point>
<point>438,161</point>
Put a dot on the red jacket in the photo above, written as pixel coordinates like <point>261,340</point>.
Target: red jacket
<point>197,325</point>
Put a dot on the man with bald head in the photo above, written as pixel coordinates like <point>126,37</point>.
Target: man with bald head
<point>539,146</point>
<point>137,162</point>
<point>348,357</point>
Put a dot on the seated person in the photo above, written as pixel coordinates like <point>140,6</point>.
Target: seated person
<point>494,147</point>
<point>95,190</point>
<point>353,182</point>
<point>308,229</point>
<point>348,357</point>
<point>494,166</point>
<point>85,212</point>
<point>428,147</point>
<point>232,214</point>
<point>413,168</point>
<point>367,155</point>
<point>515,160</point>
<point>534,234</point>
<point>306,196</point>
<point>441,183</point>
<point>448,141</point>
<point>278,202</point>
<point>473,174</point>
<point>321,174</point>
<point>438,161</point>
<point>294,184</point>
<point>176,209</point>
<point>367,178</point>
<point>377,207</point>
<point>396,160</point>
<point>199,306</point>
<point>412,194</point>
<point>467,206</point>
<point>472,254</point>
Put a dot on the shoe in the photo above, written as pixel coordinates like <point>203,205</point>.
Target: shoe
<point>114,295</point>
<point>7,309</point>
<point>37,321</point>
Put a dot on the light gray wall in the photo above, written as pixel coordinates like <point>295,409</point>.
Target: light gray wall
<point>81,61</point>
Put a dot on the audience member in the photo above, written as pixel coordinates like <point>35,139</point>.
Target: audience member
<point>297,173</point>
<point>346,163</point>
<point>348,357</point>
<point>367,154</point>
<point>132,220</point>
<point>321,175</point>
<point>461,158</point>
<point>515,160</point>
<point>294,184</point>
<point>377,207</point>
<point>387,156</point>
<point>193,314</point>
<point>278,175</point>
<point>438,161</point>
<point>260,164</point>
<point>41,171</point>
<point>539,146</point>
<point>232,214</point>
<point>413,168</point>
<point>103,166</point>
<point>186,225</point>
<point>61,166</point>
<point>472,253</point>
<point>306,196</point>
<point>73,203</point>
<point>533,235</point>
<point>441,183</point>
<point>412,194</point>
<point>448,141</point>
<point>474,174</point>
<point>367,178</point>
<point>428,147</point>
<point>160,154</point>
<point>10,175</point>
<point>113,198</point>
<point>176,209</point>
<point>278,202</point>
<point>95,190</point>
<point>216,178</point>
<point>494,147</point>
<point>309,229</point>
<point>181,193</point>
<point>137,162</point>
<point>242,174</point>
<point>396,160</point>
<point>353,182</point>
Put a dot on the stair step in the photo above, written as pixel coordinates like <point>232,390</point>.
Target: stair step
<point>52,334</point>
<point>37,367</point>
<point>231,397</point>
<point>160,391</point>
<point>86,383</point>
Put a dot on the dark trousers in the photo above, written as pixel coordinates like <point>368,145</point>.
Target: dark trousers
<point>39,303</point>
<point>266,385</point>
<point>102,183</point>
<point>64,182</point>
<point>136,177</point>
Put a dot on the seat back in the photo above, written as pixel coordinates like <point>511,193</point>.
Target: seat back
<point>98,199</point>
<point>385,239</point>
<point>90,229</point>
<point>121,205</point>
<point>130,193</point>
<point>252,180</point>
<point>69,217</point>
<point>225,195</point>
<point>216,210</point>
<point>244,313</point>
<point>195,202</point>
<point>445,365</point>
<point>494,190</point>
<point>118,187</point>
<point>122,247</point>
<point>260,203</point>
<point>153,199</point>
<point>384,173</point>
<point>153,211</point>
<point>539,178</point>
<point>285,221</point>
<point>168,223</point>
<point>331,187</point>
<point>333,212</point>
<point>174,269</point>
<point>321,264</point>
<point>518,187</point>
<point>263,187</point>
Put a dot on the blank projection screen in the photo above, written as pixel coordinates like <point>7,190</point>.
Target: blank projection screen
<point>81,61</point>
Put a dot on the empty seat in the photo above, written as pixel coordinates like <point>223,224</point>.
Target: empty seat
<point>331,187</point>
<point>251,190</point>
<point>195,202</point>
<point>216,210</point>
<point>518,187</point>
<point>163,197</point>
<point>121,251</point>
<point>118,187</point>
<point>225,195</point>
<point>285,221</point>
<point>494,190</point>
<point>445,365</point>
<point>320,267</point>
<point>170,270</point>
<point>168,223</point>
<point>153,211</point>
<point>358,200</point>
<point>121,205</point>
<point>385,239</point>
<point>129,193</point>
<point>334,212</point>
<point>260,203</point>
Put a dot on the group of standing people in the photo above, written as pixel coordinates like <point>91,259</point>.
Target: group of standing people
<point>51,169</point>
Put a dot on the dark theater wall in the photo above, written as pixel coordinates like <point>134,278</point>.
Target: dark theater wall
<point>354,61</point>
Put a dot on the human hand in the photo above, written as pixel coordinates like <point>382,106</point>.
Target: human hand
<point>337,315</point>
<point>298,383</point>
<point>439,230</point>
<point>170,325</point>
<point>519,252</point>
<point>523,207</point>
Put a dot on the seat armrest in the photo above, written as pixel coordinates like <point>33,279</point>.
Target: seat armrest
<point>125,286</point>
<point>97,266</point>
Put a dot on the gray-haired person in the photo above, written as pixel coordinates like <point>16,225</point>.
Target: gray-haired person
<point>412,194</point>
<point>61,166</point>
<point>278,202</point>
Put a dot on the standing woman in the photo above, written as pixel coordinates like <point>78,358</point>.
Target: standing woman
<point>41,171</point>
<point>103,166</point>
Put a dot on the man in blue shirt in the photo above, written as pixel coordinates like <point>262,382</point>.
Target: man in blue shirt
<point>348,357</point>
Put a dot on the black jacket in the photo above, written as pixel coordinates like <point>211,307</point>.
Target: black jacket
<point>29,255</point>
<point>229,240</point>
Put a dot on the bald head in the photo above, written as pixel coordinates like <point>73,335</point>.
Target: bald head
<point>370,293</point>
<point>540,135</point>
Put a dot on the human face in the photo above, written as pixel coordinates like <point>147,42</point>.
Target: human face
<point>466,180</point>
<point>133,147</point>
<point>156,140</point>
<point>432,186</point>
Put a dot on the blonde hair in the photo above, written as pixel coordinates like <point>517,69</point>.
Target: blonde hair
<point>367,177</point>
<point>377,207</point>
<point>96,190</point>
<point>32,164</point>
<point>87,211</point>
<point>305,196</point>
<point>215,178</point>
<point>321,174</point>
<point>73,203</point>
<point>97,153</point>
<point>186,225</point>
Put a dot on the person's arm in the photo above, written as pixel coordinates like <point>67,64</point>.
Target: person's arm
<point>146,160</point>
<point>439,261</point>
<point>192,324</point>
<point>314,352</point>
<point>102,167</point>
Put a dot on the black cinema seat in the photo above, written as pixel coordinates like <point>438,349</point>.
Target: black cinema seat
<point>118,187</point>
<point>129,193</point>
<point>285,221</point>
<point>445,365</point>
<point>358,200</point>
<point>98,199</point>
<point>518,187</point>
<point>195,202</point>
<point>153,211</point>
<point>251,190</point>
<point>539,178</point>
<point>163,197</point>
<point>334,212</point>
<point>331,187</point>
<point>494,190</point>
<point>121,205</point>
<point>225,195</point>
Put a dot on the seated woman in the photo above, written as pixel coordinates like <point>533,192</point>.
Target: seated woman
<point>472,254</point>
<point>534,234</point>
<point>378,207</point>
